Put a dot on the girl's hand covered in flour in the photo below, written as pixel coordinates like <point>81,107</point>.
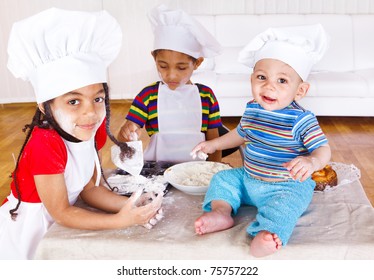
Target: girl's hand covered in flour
<point>142,209</point>
<point>146,199</point>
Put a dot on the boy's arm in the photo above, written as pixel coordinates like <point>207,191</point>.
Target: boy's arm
<point>229,140</point>
<point>212,134</point>
<point>320,157</point>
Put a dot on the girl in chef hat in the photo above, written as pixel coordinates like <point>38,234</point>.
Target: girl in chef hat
<point>284,143</point>
<point>177,114</point>
<point>65,55</point>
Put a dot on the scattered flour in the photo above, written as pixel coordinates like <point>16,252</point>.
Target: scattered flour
<point>127,184</point>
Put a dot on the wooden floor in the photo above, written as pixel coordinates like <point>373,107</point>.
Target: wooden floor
<point>351,140</point>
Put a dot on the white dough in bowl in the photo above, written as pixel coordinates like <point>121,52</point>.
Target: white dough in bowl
<point>193,177</point>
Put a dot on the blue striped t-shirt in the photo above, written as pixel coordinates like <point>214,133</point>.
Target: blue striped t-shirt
<point>275,137</point>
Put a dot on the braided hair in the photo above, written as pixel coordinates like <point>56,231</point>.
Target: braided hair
<point>46,121</point>
<point>126,151</point>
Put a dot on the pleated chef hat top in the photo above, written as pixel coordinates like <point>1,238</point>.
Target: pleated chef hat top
<point>176,30</point>
<point>298,46</point>
<point>59,51</point>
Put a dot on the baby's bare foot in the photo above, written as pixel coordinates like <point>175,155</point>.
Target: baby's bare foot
<point>212,222</point>
<point>264,244</point>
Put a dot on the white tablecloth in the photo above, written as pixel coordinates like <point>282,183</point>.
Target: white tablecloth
<point>338,224</point>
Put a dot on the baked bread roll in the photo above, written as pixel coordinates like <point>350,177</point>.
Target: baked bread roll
<point>325,177</point>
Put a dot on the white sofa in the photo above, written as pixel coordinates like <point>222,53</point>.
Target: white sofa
<point>342,83</point>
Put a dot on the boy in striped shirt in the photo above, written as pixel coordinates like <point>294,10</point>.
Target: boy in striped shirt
<point>284,142</point>
<point>177,114</point>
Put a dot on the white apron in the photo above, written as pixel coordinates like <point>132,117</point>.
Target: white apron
<point>19,239</point>
<point>179,115</point>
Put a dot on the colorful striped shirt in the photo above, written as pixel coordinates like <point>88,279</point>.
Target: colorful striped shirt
<point>143,110</point>
<point>275,137</point>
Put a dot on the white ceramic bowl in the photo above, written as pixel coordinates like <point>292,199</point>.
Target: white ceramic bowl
<point>193,177</point>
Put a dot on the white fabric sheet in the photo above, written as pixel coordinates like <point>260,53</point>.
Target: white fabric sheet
<point>339,224</point>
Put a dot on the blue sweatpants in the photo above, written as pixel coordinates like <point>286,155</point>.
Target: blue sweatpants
<point>279,204</point>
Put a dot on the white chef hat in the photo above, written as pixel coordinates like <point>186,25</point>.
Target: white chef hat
<point>298,46</point>
<point>59,50</point>
<point>176,30</point>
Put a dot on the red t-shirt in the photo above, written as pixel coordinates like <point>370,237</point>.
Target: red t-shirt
<point>44,154</point>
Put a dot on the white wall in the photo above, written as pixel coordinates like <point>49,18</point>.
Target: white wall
<point>134,68</point>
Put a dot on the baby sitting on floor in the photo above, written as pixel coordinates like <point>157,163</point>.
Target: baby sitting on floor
<point>284,142</point>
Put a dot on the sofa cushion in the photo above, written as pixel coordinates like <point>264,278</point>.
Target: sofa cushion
<point>363,28</point>
<point>279,20</point>
<point>228,63</point>
<point>337,84</point>
<point>207,65</point>
<point>208,78</point>
<point>368,77</point>
<point>234,85</point>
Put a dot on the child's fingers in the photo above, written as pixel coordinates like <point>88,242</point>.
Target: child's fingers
<point>202,155</point>
<point>155,219</point>
<point>198,153</point>
<point>157,201</point>
<point>291,164</point>
<point>149,204</point>
<point>193,154</point>
<point>128,129</point>
<point>123,132</point>
<point>147,226</point>
<point>304,177</point>
<point>195,150</point>
<point>133,136</point>
<point>135,197</point>
<point>138,132</point>
<point>302,174</point>
<point>126,134</point>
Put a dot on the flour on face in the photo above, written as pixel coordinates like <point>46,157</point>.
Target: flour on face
<point>65,121</point>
